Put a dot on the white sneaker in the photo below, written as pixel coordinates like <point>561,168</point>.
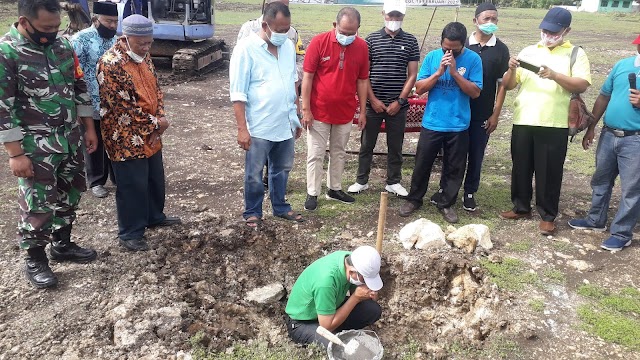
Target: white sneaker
<point>397,189</point>
<point>356,188</point>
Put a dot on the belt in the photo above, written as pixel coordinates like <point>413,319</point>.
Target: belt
<point>621,133</point>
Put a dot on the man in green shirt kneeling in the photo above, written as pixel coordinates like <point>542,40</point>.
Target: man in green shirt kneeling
<point>319,296</point>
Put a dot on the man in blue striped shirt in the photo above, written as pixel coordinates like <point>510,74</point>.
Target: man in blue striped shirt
<point>262,76</point>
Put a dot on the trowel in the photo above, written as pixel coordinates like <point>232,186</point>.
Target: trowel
<point>349,348</point>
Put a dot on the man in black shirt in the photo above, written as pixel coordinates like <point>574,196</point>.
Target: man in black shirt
<point>486,108</point>
<point>393,57</point>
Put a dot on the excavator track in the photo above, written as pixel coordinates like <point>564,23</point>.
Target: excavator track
<point>195,58</point>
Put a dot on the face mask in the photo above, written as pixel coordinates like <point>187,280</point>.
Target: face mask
<point>551,40</point>
<point>40,37</point>
<point>277,39</point>
<point>105,32</point>
<point>393,26</point>
<point>355,282</point>
<point>135,57</point>
<point>488,28</point>
<point>454,53</point>
<point>345,40</point>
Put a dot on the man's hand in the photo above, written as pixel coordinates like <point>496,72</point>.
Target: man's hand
<point>546,73</point>
<point>298,132</point>
<point>362,293</point>
<point>453,68</point>
<point>362,121</point>
<point>587,140</point>
<point>21,166</point>
<point>91,141</point>
<point>307,119</point>
<point>163,124</point>
<point>244,139</point>
<point>513,62</point>
<point>491,124</point>
<point>377,105</point>
<point>443,63</point>
<point>393,108</point>
<point>634,98</point>
<point>154,137</point>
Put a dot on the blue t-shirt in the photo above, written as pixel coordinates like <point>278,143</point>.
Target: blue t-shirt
<point>620,114</point>
<point>448,108</point>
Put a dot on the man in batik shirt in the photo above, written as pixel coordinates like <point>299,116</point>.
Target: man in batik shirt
<point>90,44</point>
<point>133,121</point>
<point>42,94</point>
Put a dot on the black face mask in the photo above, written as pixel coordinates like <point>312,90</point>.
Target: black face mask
<point>40,37</point>
<point>454,53</point>
<point>105,32</point>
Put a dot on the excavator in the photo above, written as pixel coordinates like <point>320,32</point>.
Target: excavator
<point>183,30</point>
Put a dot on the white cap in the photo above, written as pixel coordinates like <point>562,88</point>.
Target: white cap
<point>366,260</point>
<point>395,5</point>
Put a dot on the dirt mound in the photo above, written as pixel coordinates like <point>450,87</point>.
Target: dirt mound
<point>207,267</point>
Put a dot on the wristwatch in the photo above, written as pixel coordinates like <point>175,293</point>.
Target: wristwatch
<point>402,101</point>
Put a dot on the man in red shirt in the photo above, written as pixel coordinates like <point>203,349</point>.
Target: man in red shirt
<point>336,66</point>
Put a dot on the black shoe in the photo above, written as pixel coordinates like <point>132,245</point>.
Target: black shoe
<point>311,203</point>
<point>436,198</point>
<point>449,215</point>
<point>340,196</point>
<point>168,221</point>
<point>39,273</point>
<point>469,202</point>
<point>407,208</point>
<point>71,252</point>
<point>135,244</point>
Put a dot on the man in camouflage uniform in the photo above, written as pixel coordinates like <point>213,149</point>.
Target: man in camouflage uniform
<point>41,96</point>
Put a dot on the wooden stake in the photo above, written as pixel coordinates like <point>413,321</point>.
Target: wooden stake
<point>382,219</point>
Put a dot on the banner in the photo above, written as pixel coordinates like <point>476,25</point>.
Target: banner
<point>379,2</point>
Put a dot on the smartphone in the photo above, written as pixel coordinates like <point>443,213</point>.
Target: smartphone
<point>529,66</point>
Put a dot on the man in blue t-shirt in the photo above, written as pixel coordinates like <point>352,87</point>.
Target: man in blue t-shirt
<point>452,75</point>
<point>617,154</point>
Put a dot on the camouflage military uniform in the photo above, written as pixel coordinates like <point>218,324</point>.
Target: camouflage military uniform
<point>42,93</point>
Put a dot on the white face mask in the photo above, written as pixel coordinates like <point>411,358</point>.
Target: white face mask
<point>355,282</point>
<point>551,40</point>
<point>393,26</point>
<point>135,57</point>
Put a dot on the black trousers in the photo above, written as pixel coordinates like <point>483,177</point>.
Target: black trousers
<point>140,195</point>
<point>304,332</point>
<point>539,150</point>
<point>98,165</point>
<point>394,126</point>
<point>478,140</point>
<point>455,146</point>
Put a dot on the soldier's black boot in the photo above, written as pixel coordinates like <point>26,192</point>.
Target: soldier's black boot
<point>37,269</point>
<point>63,249</point>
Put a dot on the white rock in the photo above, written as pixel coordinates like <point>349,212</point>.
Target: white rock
<point>579,265</point>
<point>181,355</point>
<point>590,247</point>
<point>469,236</point>
<point>124,334</point>
<point>266,294</point>
<point>422,233</point>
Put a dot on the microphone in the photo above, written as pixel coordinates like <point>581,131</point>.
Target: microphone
<point>632,81</point>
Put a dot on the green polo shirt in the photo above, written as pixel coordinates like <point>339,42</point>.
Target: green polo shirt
<point>320,289</point>
<point>542,102</point>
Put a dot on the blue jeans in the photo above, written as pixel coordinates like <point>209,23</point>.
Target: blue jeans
<point>280,156</point>
<point>616,155</point>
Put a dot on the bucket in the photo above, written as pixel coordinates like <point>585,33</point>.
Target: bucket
<point>370,346</point>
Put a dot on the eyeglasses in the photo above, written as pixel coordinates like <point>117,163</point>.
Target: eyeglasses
<point>341,65</point>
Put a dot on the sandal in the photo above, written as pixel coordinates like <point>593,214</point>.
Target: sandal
<point>253,222</point>
<point>293,216</point>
